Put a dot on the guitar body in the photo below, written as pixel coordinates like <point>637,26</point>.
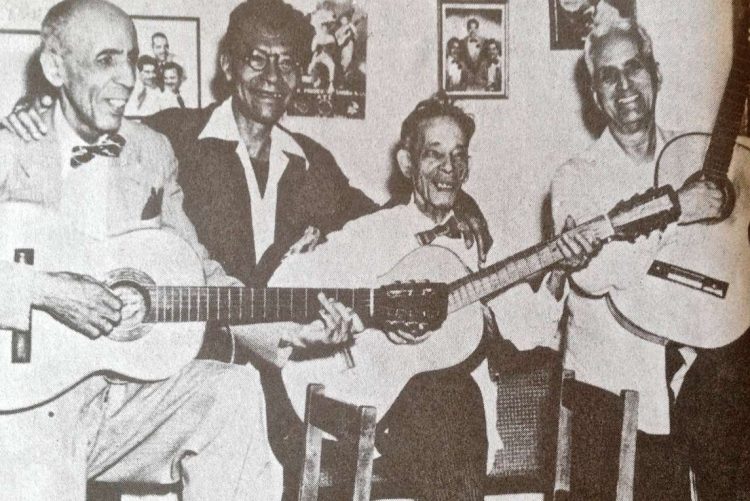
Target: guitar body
<point>383,368</point>
<point>720,251</point>
<point>61,357</point>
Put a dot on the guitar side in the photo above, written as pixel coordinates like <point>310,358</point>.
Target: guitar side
<point>383,368</point>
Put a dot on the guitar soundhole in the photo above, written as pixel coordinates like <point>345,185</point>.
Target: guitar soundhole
<point>133,314</point>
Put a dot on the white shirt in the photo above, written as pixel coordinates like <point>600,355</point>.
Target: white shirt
<point>84,188</point>
<point>150,104</point>
<point>368,247</point>
<point>599,350</point>
<point>222,125</point>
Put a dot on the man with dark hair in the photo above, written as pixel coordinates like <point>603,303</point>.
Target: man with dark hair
<point>435,438</point>
<point>103,176</point>
<point>162,54</point>
<point>173,75</point>
<point>145,97</point>
<point>472,47</point>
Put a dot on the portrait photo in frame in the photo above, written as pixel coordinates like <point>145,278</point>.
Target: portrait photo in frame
<point>473,48</point>
<point>175,81</point>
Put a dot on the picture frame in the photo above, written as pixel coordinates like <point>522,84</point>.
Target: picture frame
<point>473,48</point>
<point>571,20</point>
<point>333,81</point>
<point>182,36</point>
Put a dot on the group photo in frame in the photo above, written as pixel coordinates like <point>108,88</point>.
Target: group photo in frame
<point>473,48</point>
<point>168,71</point>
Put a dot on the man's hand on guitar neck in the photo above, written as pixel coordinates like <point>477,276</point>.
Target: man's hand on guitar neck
<point>77,301</point>
<point>700,201</point>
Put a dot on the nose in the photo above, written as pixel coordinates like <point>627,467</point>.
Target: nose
<point>126,74</point>
<point>271,71</point>
<point>623,81</point>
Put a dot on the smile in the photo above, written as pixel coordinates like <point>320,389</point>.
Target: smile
<point>628,100</point>
<point>118,105</point>
<point>445,186</point>
<point>265,94</point>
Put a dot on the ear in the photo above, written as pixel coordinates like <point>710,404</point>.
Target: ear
<point>595,98</point>
<point>658,76</point>
<point>226,66</point>
<point>403,158</point>
<point>53,68</point>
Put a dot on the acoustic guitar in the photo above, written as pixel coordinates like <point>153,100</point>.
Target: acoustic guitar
<point>697,290</point>
<point>160,280</point>
<point>375,370</point>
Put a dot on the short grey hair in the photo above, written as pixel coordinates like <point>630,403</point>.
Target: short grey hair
<point>627,27</point>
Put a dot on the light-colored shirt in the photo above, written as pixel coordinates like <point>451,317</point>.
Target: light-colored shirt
<point>368,247</point>
<point>222,125</point>
<point>84,189</point>
<point>599,350</point>
<point>144,101</point>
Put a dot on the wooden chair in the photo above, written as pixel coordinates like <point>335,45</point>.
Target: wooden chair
<point>354,429</point>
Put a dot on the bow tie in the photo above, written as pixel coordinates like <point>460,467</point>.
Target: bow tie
<point>447,229</point>
<point>111,146</point>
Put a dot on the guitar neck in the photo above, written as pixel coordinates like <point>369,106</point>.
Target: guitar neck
<point>518,267</point>
<point>238,305</point>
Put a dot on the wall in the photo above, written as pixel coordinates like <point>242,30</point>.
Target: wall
<point>519,141</point>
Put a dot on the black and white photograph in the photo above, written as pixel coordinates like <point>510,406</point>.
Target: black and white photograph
<point>328,250</point>
<point>168,66</point>
<point>572,20</point>
<point>473,56</point>
<point>334,77</point>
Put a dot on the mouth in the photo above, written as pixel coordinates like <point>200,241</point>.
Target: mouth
<point>269,95</point>
<point>447,186</point>
<point>116,105</point>
<point>628,100</point>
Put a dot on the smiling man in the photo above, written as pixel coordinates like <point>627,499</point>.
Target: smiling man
<point>679,421</point>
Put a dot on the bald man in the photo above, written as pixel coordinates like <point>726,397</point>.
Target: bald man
<point>206,425</point>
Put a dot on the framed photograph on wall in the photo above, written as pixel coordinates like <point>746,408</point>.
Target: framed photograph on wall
<point>572,20</point>
<point>334,73</point>
<point>473,48</point>
<point>21,73</point>
<point>169,67</point>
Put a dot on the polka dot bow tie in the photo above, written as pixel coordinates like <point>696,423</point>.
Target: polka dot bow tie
<point>110,146</point>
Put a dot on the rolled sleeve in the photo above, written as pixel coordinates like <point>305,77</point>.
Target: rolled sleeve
<point>265,340</point>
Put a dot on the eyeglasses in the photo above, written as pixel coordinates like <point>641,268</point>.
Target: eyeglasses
<point>611,76</point>
<point>458,159</point>
<point>259,59</point>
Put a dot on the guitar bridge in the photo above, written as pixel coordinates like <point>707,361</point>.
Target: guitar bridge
<point>689,278</point>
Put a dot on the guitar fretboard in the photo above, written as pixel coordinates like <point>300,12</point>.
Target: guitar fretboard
<point>518,267</point>
<point>238,305</point>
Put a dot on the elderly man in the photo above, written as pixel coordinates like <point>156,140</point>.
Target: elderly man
<point>104,174</point>
<point>435,438</point>
<point>602,352</point>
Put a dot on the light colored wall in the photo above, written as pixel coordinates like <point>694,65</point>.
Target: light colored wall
<point>519,141</point>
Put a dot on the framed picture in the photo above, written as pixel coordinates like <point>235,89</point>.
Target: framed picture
<point>334,72</point>
<point>473,48</point>
<point>169,67</point>
<point>572,20</point>
<point>21,73</point>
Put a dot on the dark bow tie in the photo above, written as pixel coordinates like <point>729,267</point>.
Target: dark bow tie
<point>447,229</point>
<point>111,146</point>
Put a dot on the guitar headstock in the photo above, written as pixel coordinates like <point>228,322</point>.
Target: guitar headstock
<point>640,215</point>
<point>413,307</point>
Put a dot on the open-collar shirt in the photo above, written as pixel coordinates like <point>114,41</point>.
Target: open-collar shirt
<point>222,125</point>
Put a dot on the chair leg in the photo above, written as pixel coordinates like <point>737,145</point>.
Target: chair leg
<point>625,479</point>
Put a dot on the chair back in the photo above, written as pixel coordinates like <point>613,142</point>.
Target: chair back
<point>353,427</point>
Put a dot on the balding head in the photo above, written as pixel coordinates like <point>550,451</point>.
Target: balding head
<point>78,14</point>
<point>89,53</point>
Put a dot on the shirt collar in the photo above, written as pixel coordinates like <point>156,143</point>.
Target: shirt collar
<point>609,146</point>
<point>222,125</point>
<point>67,137</point>
<point>418,221</point>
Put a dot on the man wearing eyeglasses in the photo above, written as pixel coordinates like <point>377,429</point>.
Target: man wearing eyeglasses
<point>685,396</point>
